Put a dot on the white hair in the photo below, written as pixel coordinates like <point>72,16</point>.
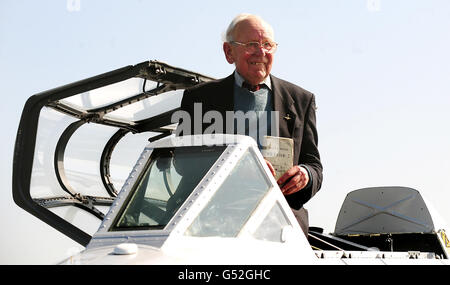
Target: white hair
<point>228,37</point>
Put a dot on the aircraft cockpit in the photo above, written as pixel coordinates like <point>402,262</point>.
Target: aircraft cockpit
<point>199,186</point>
<point>98,161</point>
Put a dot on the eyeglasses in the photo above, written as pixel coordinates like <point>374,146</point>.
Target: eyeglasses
<point>252,47</point>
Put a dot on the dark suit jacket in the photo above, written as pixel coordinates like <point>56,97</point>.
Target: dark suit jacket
<point>297,120</point>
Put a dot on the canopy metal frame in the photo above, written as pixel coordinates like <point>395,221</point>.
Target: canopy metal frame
<point>168,78</point>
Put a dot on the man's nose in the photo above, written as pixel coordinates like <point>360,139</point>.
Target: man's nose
<point>260,51</point>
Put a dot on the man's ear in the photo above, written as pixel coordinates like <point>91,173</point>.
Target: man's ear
<point>228,52</point>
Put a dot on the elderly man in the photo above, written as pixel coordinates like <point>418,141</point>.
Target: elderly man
<point>250,46</point>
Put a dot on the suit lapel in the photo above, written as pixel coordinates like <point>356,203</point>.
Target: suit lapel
<point>284,104</point>
<point>224,99</point>
<point>221,99</point>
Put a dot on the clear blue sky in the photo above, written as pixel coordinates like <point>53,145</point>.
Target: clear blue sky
<point>380,71</point>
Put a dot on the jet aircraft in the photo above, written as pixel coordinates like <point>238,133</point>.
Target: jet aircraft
<point>98,160</point>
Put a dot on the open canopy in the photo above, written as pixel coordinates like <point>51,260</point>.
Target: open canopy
<point>76,144</point>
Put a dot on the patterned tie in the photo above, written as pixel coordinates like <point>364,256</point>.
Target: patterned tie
<point>252,88</point>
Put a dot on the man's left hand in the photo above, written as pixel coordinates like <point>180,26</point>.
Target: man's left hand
<point>297,178</point>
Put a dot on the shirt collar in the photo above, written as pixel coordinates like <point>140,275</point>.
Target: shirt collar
<point>238,79</point>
